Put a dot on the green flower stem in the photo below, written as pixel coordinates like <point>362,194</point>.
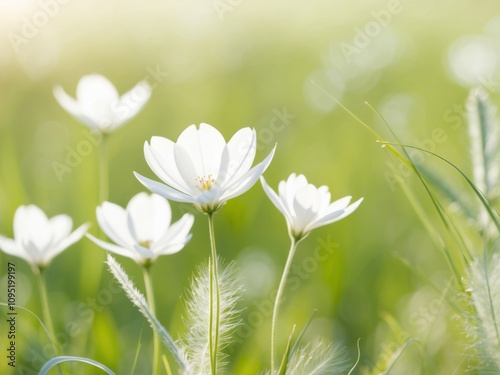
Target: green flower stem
<point>47,318</point>
<point>103,169</point>
<point>151,302</point>
<point>214,297</point>
<point>293,247</point>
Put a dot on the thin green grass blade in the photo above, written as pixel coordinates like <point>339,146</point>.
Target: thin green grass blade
<point>429,226</point>
<point>448,192</point>
<point>62,359</point>
<point>443,215</point>
<point>364,124</point>
<point>39,321</point>
<point>136,357</point>
<point>301,334</point>
<point>490,208</point>
<point>286,356</point>
<point>166,364</point>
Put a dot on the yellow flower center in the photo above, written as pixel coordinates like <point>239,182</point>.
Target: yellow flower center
<point>205,183</point>
<point>145,243</point>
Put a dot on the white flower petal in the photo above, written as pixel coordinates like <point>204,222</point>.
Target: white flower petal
<point>61,227</point>
<point>241,147</point>
<point>176,237</point>
<point>31,225</point>
<point>98,105</point>
<point>148,216</point>
<point>64,243</point>
<point>97,96</point>
<point>94,87</point>
<point>305,207</point>
<point>186,168</point>
<point>133,101</point>
<point>173,247</point>
<point>293,184</point>
<point>276,201</point>
<point>113,221</point>
<point>113,248</point>
<point>32,251</point>
<point>161,159</point>
<point>10,247</point>
<point>224,173</point>
<point>335,216</point>
<point>207,197</point>
<point>143,252</point>
<point>73,107</point>
<point>205,146</point>
<point>248,179</point>
<point>339,204</point>
<point>164,190</point>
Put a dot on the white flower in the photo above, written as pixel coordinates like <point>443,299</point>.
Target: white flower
<point>201,168</point>
<point>98,104</point>
<point>143,231</point>
<point>305,206</point>
<point>38,239</point>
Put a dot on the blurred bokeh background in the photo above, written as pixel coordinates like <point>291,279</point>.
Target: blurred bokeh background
<point>236,63</point>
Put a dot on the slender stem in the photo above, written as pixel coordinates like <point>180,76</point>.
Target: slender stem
<point>103,169</point>
<point>291,253</point>
<point>151,302</point>
<point>214,295</point>
<point>45,307</point>
<point>47,318</point>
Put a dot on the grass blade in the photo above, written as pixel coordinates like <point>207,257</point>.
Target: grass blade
<point>58,360</point>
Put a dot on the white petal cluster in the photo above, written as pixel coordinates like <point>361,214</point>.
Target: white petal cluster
<point>38,239</point>
<point>307,207</point>
<point>99,105</point>
<point>201,168</point>
<point>143,230</point>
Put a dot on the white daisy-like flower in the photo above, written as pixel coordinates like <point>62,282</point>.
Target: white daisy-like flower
<point>307,207</point>
<point>144,230</point>
<point>99,105</point>
<point>38,239</point>
<point>201,168</point>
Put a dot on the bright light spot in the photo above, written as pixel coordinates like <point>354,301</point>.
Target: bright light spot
<point>397,110</point>
<point>257,271</point>
<point>473,60</point>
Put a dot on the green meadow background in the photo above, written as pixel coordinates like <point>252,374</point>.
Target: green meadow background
<point>233,64</point>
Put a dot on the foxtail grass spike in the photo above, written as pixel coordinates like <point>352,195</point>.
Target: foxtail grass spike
<point>484,288</point>
<point>140,302</point>
<point>195,345</point>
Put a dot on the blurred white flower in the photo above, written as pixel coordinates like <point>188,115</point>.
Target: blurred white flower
<point>474,61</point>
<point>201,168</point>
<point>38,239</point>
<point>305,206</point>
<point>98,104</point>
<point>143,231</point>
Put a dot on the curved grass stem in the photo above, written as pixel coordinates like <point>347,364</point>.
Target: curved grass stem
<point>146,270</point>
<point>291,253</point>
<point>214,299</point>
